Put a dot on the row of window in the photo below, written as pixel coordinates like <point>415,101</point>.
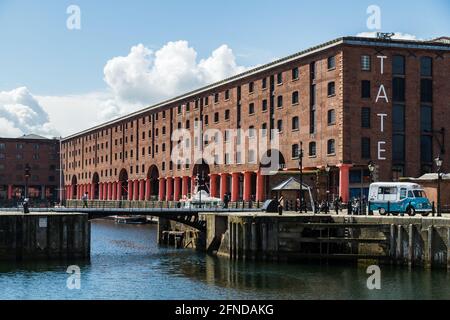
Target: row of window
<point>19,156</point>
<point>312,149</point>
<point>295,75</point>
<point>399,65</point>
<point>33,178</point>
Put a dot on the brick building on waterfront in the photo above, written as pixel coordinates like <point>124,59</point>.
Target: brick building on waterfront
<point>350,101</point>
<point>36,155</point>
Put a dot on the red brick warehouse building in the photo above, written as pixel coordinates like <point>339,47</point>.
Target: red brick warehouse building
<point>41,155</point>
<point>349,101</point>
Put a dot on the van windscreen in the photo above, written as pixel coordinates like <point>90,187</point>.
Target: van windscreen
<point>419,194</point>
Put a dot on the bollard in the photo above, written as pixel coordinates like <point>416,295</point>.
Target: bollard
<point>433,210</point>
<point>388,208</point>
<point>370,209</point>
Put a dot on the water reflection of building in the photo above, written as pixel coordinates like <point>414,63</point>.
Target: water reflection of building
<point>41,157</point>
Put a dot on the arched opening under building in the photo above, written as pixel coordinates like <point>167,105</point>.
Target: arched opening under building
<point>74,187</point>
<point>273,160</point>
<point>272,163</point>
<point>95,185</point>
<point>201,171</point>
<point>153,176</point>
<point>123,184</point>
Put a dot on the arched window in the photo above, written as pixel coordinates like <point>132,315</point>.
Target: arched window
<point>312,149</point>
<point>331,147</point>
<point>295,123</point>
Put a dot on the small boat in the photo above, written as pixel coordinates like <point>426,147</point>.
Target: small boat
<point>201,199</point>
<point>131,219</point>
<point>152,220</point>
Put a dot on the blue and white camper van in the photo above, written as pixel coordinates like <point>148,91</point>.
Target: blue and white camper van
<point>399,198</point>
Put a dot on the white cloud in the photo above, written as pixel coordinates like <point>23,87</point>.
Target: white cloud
<point>73,113</point>
<point>135,81</point>
<point>21,113</point>
<point>397,35</point>
<point>147,77</point>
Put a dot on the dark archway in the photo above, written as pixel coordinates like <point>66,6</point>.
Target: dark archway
<point>273,160</point>
<point>201,171</point>
<point>123,184</point>
<point>74,187</point>
<point>153,176</point>
<point>95,183</point>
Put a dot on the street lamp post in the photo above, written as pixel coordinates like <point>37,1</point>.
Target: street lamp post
<point>371,167</point>
<point>327,170</point>
<point>438,161</point>
<point>300,164</point>
<point>27,176</point>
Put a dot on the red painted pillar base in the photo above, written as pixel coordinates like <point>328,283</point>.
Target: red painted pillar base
<point>136,190</point>
<point>259,187</point>
<point>247,186</point>
<point>162,189</point>
<point>119,190</point>
<point>177,189</point>
<point>148,190</point>
<point>114,191</point>
<point>235,187</point>
<point>105,191</point>
<point>100,191</point>
<point>344,181</point>
<point>110,188</point>
<point>130,190</point>
<point>213,185</point>
<point>185,187</point>
<point>141,190</point>
<point>223,185</point>
<point>169,194</point>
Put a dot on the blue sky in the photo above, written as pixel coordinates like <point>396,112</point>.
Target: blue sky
<point>38,52</point>
<point>41,53</point>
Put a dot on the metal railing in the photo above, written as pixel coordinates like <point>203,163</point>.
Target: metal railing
<point>127,204</point>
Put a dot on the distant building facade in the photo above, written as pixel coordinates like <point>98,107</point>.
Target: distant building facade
<point>350,102</point>
<point>41,156</point>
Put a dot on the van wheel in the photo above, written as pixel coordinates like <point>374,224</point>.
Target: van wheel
<point>411,211</point>
<point>382,211</point>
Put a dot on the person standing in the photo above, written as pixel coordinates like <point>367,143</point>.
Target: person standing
<point>280,206</point>
<point>337,205</point>
<point>226,200</point>
<point>85,200</point>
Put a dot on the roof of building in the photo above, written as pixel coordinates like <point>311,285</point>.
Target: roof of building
<point>434,44</point>
<point>290,184</point>
<point>32,136</point>
<point>431,177</point>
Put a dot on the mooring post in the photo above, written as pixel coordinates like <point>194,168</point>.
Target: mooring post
<point>230,239</point>
<point>399,255</point>
<point>244,240</point>
<point>429,255</point>
<point>264,240</point>
<point>236,241</point>
<point>392,247</point>
<point>448,248</point>
<point>411,245</point>
<point>253,246</point>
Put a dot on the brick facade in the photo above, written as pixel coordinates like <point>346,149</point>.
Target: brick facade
<point>130,157</point>
<point>42,157</point>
